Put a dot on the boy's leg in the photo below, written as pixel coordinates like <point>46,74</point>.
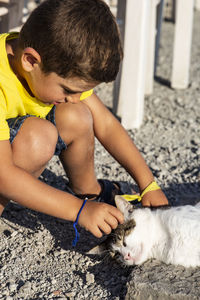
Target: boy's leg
<point>32,147</point>
<point>75,126</point>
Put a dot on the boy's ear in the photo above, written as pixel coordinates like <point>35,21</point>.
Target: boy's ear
<point>30,57</point>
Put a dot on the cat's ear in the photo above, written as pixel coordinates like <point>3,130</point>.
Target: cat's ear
<point>124,206</point>
<point>198,205</point>
<point>99,249</point>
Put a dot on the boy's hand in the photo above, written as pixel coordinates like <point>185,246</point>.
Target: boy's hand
<point>100,217</point>
<point>154,198</point>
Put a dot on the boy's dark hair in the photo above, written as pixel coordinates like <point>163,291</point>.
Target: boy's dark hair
<point>74,38</point>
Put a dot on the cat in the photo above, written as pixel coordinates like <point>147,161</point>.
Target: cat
<point>168,234</point>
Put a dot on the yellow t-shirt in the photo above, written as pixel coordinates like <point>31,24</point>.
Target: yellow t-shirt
<point>14,99</point>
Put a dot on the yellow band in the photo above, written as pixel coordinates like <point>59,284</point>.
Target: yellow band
<point>153,186</point>
<point>86,94</point>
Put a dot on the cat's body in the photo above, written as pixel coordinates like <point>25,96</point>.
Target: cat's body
<point>171,235</point>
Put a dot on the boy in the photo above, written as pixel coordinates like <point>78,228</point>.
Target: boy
<point>47,105</point>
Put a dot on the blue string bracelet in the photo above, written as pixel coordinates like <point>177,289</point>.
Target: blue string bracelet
<point>75,223</point>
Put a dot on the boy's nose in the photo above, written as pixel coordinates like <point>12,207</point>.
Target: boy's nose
<point>73,98</point>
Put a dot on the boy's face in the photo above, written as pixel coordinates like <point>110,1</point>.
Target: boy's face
<point>53,89</point>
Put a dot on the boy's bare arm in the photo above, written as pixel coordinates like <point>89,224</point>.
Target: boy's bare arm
<point>115,139</point>
<point>20,186</point>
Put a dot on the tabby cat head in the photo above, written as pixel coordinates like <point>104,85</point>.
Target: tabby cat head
<point>127,241</point>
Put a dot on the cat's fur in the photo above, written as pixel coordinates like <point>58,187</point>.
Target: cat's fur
<point>171,235</point>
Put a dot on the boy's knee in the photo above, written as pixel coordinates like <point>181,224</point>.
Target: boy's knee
<point>37,138</point>
<point>74,120</point>
<point>83,118</point>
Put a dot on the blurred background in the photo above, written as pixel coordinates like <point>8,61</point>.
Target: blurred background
<point>13,13</point>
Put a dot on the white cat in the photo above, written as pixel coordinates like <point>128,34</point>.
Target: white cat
<point>171,235</point>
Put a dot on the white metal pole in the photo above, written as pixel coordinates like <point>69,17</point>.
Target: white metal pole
<point>131,95</point>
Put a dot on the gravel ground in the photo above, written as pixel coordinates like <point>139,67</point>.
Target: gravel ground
<point>37,260</point>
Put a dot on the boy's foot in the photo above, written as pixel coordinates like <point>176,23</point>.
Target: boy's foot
<point>109,189</point>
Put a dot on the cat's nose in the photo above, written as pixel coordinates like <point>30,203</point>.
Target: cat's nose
<point>127,256</point>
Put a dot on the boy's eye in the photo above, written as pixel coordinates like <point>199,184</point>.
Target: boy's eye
<point>68,92</point>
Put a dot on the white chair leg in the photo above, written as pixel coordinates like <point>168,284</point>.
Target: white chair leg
<point>149,78</point>
<point>131,95</point>
<point>182,43</point>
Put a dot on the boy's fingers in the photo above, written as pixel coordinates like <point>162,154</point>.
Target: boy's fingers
<point>112,221</point>
<point>117,214</point>
<point>154,198</point>
<point>146,203</point>
<point>97,232</point>
<point>104,218</point>
<point>106,228</point>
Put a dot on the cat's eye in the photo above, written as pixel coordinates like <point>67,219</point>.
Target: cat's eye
<point>118,238</point>
<point>124,244</point>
